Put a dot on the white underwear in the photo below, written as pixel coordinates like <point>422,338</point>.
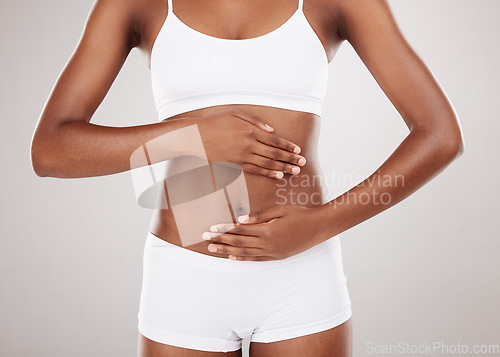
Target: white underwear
<point>197,301</point>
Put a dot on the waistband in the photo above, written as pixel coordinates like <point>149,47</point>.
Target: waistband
<point>188,257</point>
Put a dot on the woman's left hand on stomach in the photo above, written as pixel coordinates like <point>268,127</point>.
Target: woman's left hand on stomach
<point>275,233</point>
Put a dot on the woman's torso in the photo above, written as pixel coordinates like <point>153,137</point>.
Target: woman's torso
<point>299,127</point>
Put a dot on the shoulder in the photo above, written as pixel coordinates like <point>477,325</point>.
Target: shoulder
<point>129,15</point>
<point>363,16</point>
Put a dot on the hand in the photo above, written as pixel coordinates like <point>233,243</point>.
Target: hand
<point>276,233</point>
<point>238,137</point>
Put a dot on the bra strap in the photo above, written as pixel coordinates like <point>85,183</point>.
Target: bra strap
<point>170,9</point>
<point>301,5</point>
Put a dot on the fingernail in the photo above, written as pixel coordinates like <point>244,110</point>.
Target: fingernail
<point>243,219</point>
<point>213,229</point>
<point>296,150</point>
<point>212,248</point>
<point>268,127</point>
<point>232,257</point>
<point>279,174</point>
<point>206,236</point>
<point>295,170</point>
<point>302,161</point>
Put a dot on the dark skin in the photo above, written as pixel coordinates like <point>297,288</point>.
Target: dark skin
<point>301,128</point>
<point>66,144</point>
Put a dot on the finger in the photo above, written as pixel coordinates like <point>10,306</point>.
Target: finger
<point>252,220</point>
<point>236,229</point>
<point>276,141</point>
<point>222,227</point>
<point>252,119</point>
<point>236,240</point>
<point>278,154</point>
<point>253,258</point>
<point>271,164</point>
<point>257,170</point>
<point>228,249</point>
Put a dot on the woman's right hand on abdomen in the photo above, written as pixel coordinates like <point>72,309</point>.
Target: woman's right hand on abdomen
<point>242,138</point>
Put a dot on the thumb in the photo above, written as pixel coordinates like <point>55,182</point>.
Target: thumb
<point>261,216</point>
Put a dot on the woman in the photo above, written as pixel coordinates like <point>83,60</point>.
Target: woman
<point>220,72</point>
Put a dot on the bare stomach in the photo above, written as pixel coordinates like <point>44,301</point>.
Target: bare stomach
<point>218,193</point>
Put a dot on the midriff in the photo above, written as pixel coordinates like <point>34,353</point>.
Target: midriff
<point>304,188</point>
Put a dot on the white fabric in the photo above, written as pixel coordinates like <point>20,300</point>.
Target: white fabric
<point>196,301</point>
<point>285,68</point>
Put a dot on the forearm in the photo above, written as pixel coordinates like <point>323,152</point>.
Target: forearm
<point>81,149</point>
<point>420,157</point>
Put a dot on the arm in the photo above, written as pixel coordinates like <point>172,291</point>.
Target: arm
<point>435,137</point>
<point>66,145</point>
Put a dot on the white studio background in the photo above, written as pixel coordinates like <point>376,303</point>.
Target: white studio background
<point>424,271</point>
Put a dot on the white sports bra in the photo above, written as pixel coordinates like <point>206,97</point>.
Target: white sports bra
<point>285,68</point>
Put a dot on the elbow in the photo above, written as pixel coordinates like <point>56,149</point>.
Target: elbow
<point>458,147</point>
<point>455,142</point>
<point>38,162</point>
<point>444,137</point>
<point>39,158</point>
<point>451,143</point>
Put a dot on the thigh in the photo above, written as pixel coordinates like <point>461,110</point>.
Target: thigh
<point>150,348</point>
<point>335,342</point>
